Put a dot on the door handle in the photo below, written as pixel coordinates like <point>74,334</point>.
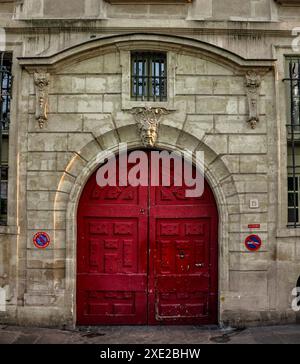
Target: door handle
<point>199,265</point>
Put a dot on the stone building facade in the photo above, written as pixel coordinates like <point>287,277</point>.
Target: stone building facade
<point>71,100</point>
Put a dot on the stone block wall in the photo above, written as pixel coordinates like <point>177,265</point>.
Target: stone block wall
<point>234,10</point>
<point>86,116</point>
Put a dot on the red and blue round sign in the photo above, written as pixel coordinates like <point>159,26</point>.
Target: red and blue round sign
<point>41,240</point>
<point>253,243</point>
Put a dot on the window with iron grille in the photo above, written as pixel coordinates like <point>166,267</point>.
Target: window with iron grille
<point>5,82</point>
<point>293,185</point>
<point>293,142</point>
<point>148,76</point>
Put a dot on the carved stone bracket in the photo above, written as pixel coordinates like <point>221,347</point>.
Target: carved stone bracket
<point>147,119</point>
<point>253,83</point>
<point>41,81</point>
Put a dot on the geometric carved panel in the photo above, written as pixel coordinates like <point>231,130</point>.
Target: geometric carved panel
<point>99,228</point>
<point>111,243</point>
<point>115,195</point>
<point>123,228</point>
<point>113,246</point>
<point>128,253</point>
<point>110,303</point>
<point>169,229</point>
<point>111,263</point>
<point>194,229</point>
<point>94,254</point>
<point>185,305</point>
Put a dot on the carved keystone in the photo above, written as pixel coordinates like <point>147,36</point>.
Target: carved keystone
<point>147,119</point>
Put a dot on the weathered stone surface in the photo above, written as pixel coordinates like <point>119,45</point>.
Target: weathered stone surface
<point>42,161</point>
<point>103,84</point>
<point>59,123</point>
<point>199,125</point>
<point>111,103</point>
<point>78,141</point>
<point>41,142</point>
<point>216,105</point>
<point>249,144</point>
<point>43,180</point>
<point>80,103</point>
<point>253,163</point>
<point>237,124</point>
<point>218,143</point>
<point>98,123</point>
<point>68,84</point>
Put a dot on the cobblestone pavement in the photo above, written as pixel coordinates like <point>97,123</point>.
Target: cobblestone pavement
<point>289,334</point>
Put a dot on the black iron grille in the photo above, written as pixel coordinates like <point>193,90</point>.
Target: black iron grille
<point>6,83</point>
<point>148,76</point>
<point>293,135</point>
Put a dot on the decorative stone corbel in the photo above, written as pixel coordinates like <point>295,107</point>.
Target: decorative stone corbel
<point>41,80</point>
<point>147,119</point>
<point>253,83</point>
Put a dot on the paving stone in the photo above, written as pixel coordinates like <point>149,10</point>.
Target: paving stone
<point>26,339</point>
<point>106,335</point>
<point>7,337</point>
<point>53,339</point>
<point>268,338</point>
<point>291,338</point>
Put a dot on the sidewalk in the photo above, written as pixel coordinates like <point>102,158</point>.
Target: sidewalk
<point>289,334</point>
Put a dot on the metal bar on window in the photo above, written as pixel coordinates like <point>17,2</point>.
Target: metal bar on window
<point>293,129</point>
<point>148,74</point>
<point>137,77</point>
<point>5,83</point>
<point>293,109</point>
<point>160,81</point>
<point>144,80</point>
<point>149,83</point>
<point>1,130</point>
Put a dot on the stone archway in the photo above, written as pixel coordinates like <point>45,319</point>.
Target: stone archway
<point>86,162</point>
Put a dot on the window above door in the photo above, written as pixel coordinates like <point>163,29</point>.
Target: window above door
<point>148,76</point>
<point>293,139</point>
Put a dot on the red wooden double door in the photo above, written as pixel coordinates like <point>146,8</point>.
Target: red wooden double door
<point>146,255</point>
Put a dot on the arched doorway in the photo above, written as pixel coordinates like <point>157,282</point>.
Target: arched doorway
<point>146,255</point>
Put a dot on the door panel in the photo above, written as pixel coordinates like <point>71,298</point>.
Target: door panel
<point>112,255</point>
<point>183,249</point>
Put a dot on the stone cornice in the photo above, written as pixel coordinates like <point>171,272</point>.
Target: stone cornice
<point>144,40</point>
<point>288,2</point>
<point>188,28</point>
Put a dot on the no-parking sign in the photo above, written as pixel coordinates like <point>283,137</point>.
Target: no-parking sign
<point>41,240</point>
<point>253,243</point>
